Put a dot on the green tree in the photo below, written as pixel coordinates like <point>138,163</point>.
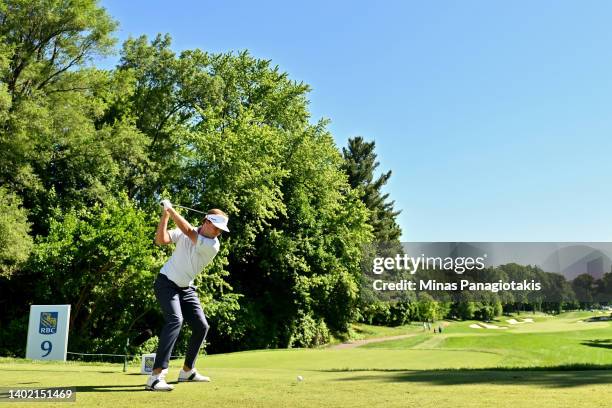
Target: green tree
<point>15,241</point>
<point>51,150</point>
<point>90,152</point>
<point>360,165</point>
<point>428,308</point>
<point>584,287</point>
<point>231,131</point>
<point>105,261</point>
<point>48,38</point>
<point>466,310</point>
<point>485,312</point>
<point>605,288</point>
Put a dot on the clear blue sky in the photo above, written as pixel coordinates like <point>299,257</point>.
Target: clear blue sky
<point>494,116</point>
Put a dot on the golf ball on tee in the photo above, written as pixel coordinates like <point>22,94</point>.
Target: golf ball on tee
<point>300,378</point>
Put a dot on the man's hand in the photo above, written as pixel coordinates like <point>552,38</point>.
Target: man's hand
<point>161,235</point>
<point>180,222</point>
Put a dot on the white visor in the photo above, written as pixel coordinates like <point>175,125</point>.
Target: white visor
<point>218,221</point>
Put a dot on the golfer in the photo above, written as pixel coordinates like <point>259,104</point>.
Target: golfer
<point>174,290</point>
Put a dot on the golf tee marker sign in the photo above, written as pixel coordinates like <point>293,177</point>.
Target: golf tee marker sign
<point>48,332</point>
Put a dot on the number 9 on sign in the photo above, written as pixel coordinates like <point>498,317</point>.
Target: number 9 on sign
<point>46,346</point>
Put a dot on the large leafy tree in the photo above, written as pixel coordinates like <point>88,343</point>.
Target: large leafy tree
<point>54,150</point>
<point>91,151</point>
<point>231,131</point>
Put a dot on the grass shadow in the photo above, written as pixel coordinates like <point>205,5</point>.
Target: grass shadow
<point>115,387</point>
<point>605,343</point>
<point>110,388</point>
<point>41,370</point>
<point>551,377</point>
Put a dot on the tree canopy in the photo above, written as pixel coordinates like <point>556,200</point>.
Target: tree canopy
<point>86,154</point>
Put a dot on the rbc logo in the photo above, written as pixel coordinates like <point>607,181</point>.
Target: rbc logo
<point>48,323</point>
<point>149,361</point>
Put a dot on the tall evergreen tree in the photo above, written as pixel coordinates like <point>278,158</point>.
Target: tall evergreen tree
<point>360,164</point>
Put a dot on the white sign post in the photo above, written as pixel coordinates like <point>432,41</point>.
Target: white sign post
<point>48,332</point>
<point>146,363</point>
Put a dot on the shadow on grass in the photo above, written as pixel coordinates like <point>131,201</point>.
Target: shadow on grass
<point>111,388</point>
<point>607,343</point>
<point>116,387</point>
<point>552,377</point>
<point>60,371</point>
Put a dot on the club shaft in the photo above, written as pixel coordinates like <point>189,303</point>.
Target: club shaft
<point>187,208</point>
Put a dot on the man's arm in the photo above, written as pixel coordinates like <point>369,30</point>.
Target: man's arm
<point>183,225</point>
<point>161,235</point>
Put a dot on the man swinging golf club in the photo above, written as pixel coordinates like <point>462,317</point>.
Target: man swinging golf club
<point>174,290</point>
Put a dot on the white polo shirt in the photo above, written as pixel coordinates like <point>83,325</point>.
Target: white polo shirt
<point>188,259</point>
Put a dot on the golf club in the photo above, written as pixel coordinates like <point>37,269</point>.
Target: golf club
<point>190,209</point>
<point>186,208</point>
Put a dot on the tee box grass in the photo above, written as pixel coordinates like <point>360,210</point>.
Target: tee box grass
<point>559,361</point>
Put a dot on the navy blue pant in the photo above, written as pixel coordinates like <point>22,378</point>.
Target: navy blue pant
<point>178,304</point>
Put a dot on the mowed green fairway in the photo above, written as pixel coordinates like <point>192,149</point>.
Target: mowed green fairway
<point>461,368</point>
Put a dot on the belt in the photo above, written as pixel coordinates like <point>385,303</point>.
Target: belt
<point>164,277</point>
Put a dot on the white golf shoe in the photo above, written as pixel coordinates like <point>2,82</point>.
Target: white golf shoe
<point>192,375</point>
<point>158,382</point>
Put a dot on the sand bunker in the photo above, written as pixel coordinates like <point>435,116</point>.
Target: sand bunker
<point>486,326</point>
<point>514,321</point>
<point>492,326</point>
